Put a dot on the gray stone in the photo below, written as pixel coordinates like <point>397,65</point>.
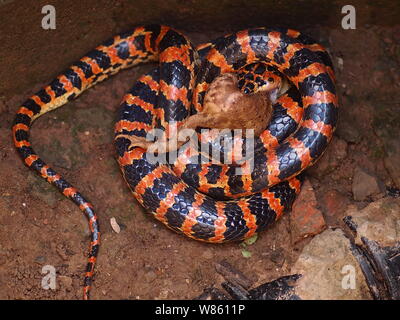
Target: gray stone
<point>379,221</point>
<point>365,185</point>
<point>325,263</point>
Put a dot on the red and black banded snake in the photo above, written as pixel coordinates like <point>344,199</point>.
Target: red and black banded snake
<point>207,202</point>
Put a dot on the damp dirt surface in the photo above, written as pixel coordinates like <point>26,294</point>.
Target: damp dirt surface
<point>39,227</point>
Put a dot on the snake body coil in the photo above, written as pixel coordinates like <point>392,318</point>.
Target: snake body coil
<point>187,196</point>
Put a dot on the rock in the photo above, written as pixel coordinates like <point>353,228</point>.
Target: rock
<point>365,185</point>
<point>339,63</point>
<point>329,269</point>
<point>376,230</point>
<point>114,225</point>
<point>306,219</point>
<point>334,205</point>
<point>379,221</point>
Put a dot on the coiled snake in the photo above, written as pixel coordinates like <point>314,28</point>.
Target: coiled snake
<point>207,202</point>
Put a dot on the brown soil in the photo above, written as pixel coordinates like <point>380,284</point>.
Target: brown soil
<point>145,260</point>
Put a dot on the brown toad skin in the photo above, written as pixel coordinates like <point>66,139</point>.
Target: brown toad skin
<point>226,107</point>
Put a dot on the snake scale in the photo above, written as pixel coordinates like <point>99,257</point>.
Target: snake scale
<point>207,202</point>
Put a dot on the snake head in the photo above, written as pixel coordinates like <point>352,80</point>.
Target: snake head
<point>260,77</point>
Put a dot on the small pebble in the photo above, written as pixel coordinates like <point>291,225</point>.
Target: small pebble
<point>364,185</point>
<point>340,63</point>
<point>114,225</point>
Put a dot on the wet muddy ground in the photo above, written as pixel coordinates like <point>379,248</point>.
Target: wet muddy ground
<point>145,260</point>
